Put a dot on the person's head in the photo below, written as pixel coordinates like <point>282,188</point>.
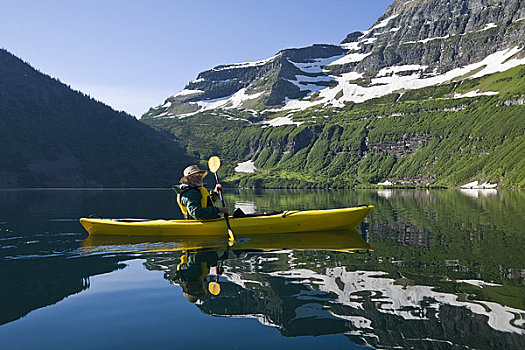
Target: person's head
<point>193,175</point>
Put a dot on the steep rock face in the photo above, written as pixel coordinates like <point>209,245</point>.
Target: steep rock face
<point>258,85</point>
<point>441,35</point>
<point>412,45</point>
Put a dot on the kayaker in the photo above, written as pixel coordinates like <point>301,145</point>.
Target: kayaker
<point>194,200</point>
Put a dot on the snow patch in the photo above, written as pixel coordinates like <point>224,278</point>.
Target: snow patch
<point>316,65</point>
<point>368,41</point>
<point>381,86</point>
<point>186,92</point>
<point>246,167</point>
<point>479,283</point>
<point>497,62</point>
<point>313,79</point>
<point>385,183</point>
<point>301,79</point>
<point>279,121</point>
<point>350,58</point>
<point>355,45</point>
<point>404,68</point>
<point>424,41</point>
<point>476,93</point>
<point>488,26</point>
<point>228,102</point>
<point>245,64</point>
<point>383,23</point>
<point>185,115</point>
<point>475,185</point>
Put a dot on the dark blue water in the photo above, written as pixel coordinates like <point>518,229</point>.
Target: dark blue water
<point>447,272</point>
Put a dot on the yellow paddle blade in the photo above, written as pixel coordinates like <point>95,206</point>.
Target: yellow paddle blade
<point>214,288</point>
<point>231,238</point>
<point>214,163</point>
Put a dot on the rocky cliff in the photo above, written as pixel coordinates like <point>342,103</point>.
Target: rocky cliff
<point>412,45</point>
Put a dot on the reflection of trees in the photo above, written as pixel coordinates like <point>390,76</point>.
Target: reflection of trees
<point>402,232</point>
<point>482,234</point>
<point>49,269</point>
<point>29,284</point>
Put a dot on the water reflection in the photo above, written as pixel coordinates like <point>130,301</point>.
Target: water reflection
<point>193,270</point>
<point>448,268</point>
<point>320,292</point>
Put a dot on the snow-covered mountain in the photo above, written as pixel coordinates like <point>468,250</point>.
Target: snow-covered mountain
<point>414,44</point>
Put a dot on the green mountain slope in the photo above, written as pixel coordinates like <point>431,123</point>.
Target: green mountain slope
<point>53,136</point>
<point>431,136</point>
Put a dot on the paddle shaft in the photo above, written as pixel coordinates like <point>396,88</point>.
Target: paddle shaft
<point>222,201</point>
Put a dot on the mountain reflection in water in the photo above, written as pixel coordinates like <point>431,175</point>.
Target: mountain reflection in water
<point>447,272</point>
<point>315,292</point>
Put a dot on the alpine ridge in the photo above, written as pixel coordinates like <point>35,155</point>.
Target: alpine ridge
<point>414,44</point>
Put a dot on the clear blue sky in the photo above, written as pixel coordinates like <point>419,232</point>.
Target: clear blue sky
<point>134,54</point>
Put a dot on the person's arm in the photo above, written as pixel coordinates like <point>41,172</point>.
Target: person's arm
<point>192,201</point>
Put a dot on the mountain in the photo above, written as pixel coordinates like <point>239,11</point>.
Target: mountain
<point>413,44</point>
<point>53,136</point>
<point>431,94</point>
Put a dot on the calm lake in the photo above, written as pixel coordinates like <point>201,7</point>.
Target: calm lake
<point>441,269</point>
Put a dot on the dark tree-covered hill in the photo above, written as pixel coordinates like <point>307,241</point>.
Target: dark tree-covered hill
<point>53,136</point>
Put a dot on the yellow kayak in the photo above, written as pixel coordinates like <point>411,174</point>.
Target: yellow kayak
<point>347,241</point>
<point>286,222</point>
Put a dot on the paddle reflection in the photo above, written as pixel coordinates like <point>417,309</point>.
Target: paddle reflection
<point>192,272</point>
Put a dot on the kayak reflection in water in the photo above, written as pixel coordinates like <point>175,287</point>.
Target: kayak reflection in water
<point>192,271</point>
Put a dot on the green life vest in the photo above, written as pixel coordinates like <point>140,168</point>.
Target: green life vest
<point>206,200</point>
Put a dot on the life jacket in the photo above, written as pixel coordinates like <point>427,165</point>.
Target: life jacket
<point>206,200</point>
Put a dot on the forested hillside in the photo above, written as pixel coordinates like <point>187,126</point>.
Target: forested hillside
<point>53,136</point>
<point>445,135</point>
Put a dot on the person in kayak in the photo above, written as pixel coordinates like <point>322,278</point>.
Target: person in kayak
<point>193,198</point>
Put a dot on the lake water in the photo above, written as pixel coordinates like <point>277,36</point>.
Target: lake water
<point>438,269</point>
